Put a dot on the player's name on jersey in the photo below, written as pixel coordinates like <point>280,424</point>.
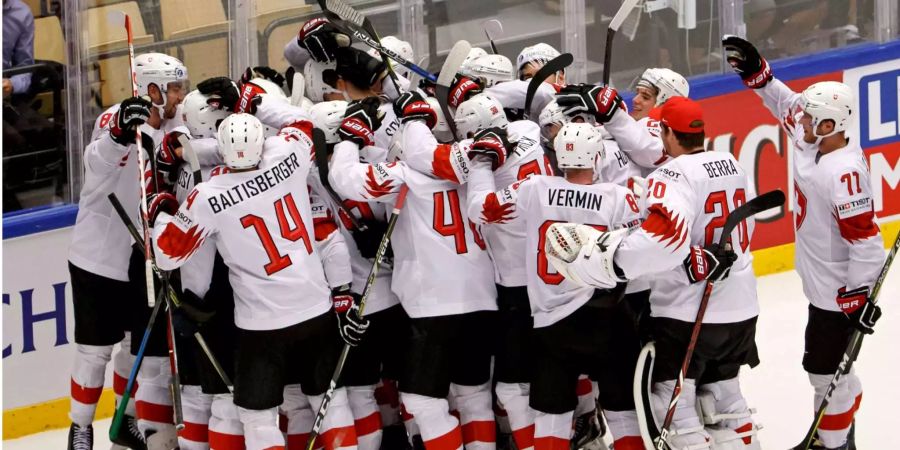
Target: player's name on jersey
<point>254,186</point>
<point>570,198</point>
<point>721,168</point>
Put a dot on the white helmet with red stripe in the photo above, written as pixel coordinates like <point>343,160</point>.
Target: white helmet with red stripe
<point>478,113</point>
<point>578,145</point>
<point>241,138</point>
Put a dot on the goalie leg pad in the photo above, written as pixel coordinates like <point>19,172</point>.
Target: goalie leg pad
<point>726,415</point>
<point>687,432</point>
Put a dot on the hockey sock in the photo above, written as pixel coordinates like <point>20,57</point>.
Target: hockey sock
<point>726,414</point>
<point>153,400</point>
<point>122,363</point>
<point>623,426</point>
<point>409,422</point>
<point>585,391</point>
<point>513,397</point>
<point>841,408</point>
<point>196,406</point>
<point>687,429</point>
<point>299,415</point>
<point>388,398</point>
<point>338,431</point>
<point>87,381</point>
<point>439,429</point>
<point>476,411</point>
<point>261,429</point>
<point>226,432</point>
<point>552,431</point>
<point>366,416</point>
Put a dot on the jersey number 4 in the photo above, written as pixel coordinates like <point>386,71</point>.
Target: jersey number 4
<point>277,261</point>
<point>455,227</point>
<point>719,201</point>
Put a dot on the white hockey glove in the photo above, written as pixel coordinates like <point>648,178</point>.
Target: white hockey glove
<point>584,255</point>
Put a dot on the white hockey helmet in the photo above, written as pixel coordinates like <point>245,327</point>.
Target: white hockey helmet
<point>327,116</point>
<point>241,138</point>
<point>159,69</point>
<point>201,118</point>
<point>666,82</point>
<point>490,69</point>
<point>474,52</point>
<point>578,145</point>
<point>400,47</point>
<point>538,53</point>
<point>441,130</point>
<point>314,74</point>
<point>552,114</point>
<point>478,113</point>
<point>828,100</point>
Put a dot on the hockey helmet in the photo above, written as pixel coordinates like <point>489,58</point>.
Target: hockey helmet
<point>327,116</point>
<point>828,100</point>
<point>478,113</point>
<point>538,53</point>
<point>319,79</point>
<point>241,138</point>
<point>158,69</point>
<point>578,145</point>
<point>202,118</point>
<point>490,69</point>
<point>665,82</point>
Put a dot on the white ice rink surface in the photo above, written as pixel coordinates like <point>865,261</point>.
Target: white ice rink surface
<point>778,387</point>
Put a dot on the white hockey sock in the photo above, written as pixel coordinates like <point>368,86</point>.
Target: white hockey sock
<point>586,398</point>
<point>338,431</point>
<point>299,415</point>
<point>226,432</point>
<point>841,408</point>
<point>475,405</point>
<point>514,399</point>
<point>261,429</point>
<point>623,426</point>
<point>87,381</point>
<point>366,416</point>
<point>196,407</point>
<point>122,363</point>
<point>552,431</point>
<point>154,400</point>
<point>438,428</point>
<point>409,422</point>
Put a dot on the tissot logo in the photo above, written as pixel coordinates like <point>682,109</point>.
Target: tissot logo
<point>879,102</point>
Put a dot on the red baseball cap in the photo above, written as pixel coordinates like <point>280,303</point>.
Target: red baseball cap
<point>682,114</point>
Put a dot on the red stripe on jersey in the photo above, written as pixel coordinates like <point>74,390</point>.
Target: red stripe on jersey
<point>368,425</point>
<point>859,227</point>
<point>551,443</point>
<point>194,432</point>
<point>177,244</point>
<point>442,166</point>
<point>842,421</point>
<point>450,441</point>
<point>493,212</point>
<point>667,227</point>
<point>324,226</point>
<point>479,431</point>
<point>86,395</point>
<point>631,443</point>
<point>524,437</point>
<point>224,441</point>
<point>154,412</point>
<point>376,189</point>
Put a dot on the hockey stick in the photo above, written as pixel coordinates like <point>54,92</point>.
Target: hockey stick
<point>493,29</point>
<point>555,65</point>
<point>119,18</point>
<point>320,146</point>
<point>759,204</point>
<point>617,20</point>
<point>850,354</point>
<point>451,66</point>
<point>298,89</point>
<point>173,363</point>
<point>370,284</point>
<point>190,156</point>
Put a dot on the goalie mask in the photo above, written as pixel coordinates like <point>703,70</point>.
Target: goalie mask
<point>490,69</point>
<point>478,113</point>
<point>241,138</point>
<point>327,116</point>
<point>578,145</point>
<point>161,70</point>
<point>202,118</point>
<point>828,100</point>
<point>665,82</point>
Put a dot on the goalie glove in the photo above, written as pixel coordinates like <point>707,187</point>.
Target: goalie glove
<point>584,255</point>
<point>133,112</point>
<point>746,61</point>
<point>351,324</point>
<point>859,310</point>
<point>711,263</point>
<point>600,101</point>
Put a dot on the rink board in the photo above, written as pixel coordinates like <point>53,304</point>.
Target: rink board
<point>37,314</point>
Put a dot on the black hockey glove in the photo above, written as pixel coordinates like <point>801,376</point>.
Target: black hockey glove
<point>222,89</point>
<point>367,241</point>
<point>160,202</point>
<point>710,263</point>
<point>859,310</point>
<point>321,39</point>
<point>191,314</point>
<point>746,61</point>
<point>264,72</point>
<point>351,325</point>
<point>132,113</point>
<point>411,106</point>
<point>167,159</point>
<point>463,88</point>
<point>360,122</point>
<point>600,101</point>
<point>492,143</point>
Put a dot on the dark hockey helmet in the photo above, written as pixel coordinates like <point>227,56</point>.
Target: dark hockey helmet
<point>359,68</point>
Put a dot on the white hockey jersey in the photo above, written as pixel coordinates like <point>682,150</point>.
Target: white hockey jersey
<point>543,200</point>
<point>440,265</point>
<point>511,94</point>
<point>838,243</point>
<point>688,202</point>
<point>640,139</point>
<point>505,234</point>
<point>262,225</point>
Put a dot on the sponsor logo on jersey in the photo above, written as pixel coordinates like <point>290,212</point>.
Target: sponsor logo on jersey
<point>668,173</point>
<point>854,207</point>
<point>261,183</point>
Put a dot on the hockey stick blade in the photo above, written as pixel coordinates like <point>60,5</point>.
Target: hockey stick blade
<point>614,24</point>
<point>769,200</point>
<point>553,66</point>
<point>493,29</point>
<point>451,66</point>
<point>320,147</point>
<point>299,89</point>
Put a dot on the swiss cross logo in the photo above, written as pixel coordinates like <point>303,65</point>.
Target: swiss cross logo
<point>494,110</point>
<point>570,147</point>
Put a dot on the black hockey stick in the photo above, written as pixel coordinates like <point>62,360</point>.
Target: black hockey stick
<point>614,24</point>
<point>451,66</point>
<point>850,354</point>
<point>757,205</point>
<point>370,284</point>
<point>555,65</point>
<point>320,146</point>
<point>493,29</point>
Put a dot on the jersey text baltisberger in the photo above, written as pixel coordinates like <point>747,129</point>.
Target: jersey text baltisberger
<point>253,187</point>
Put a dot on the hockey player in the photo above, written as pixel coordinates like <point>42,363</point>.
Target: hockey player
<point>100,275</point>
<point>442,276</point>
<point>839,246</point>
<point>258,215</point>
<point>532,58</point>
<point>688,202</point>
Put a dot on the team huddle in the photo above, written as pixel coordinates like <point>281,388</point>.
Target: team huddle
<point>498,260</point>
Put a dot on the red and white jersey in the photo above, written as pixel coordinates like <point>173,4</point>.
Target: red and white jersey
<point>440,265</point>
<point>688,201</point>
<point>505,234</point>
<point>543,200</point>
<point>100,242</point>
<point>617,167</point>
<point>423,153</point>
<point>262,225</point>
<point>838,243</point>
<point>511,94</point>
<point>640,139</point>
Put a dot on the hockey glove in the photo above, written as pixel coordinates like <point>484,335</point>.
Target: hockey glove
<point>367,241</point>
<point>161,202</point>
<point>492,143</point>
<point>463,88</point>
<point>746,61</point>
<point>250,98</point>
<point>168,159</point>
<point>360,122</point>
<point>191,314</point>
<point>321,39</point>
<point>222,89</point>
<point>264,72</point>
<point>859,310</point>
<point>411,106</point>
<point>711,263</point>
<point>132,113</point>
<point>350,324</point>
<point>601,102</point>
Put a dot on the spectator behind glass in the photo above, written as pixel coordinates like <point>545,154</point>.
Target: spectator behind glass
<point>18,45</point>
